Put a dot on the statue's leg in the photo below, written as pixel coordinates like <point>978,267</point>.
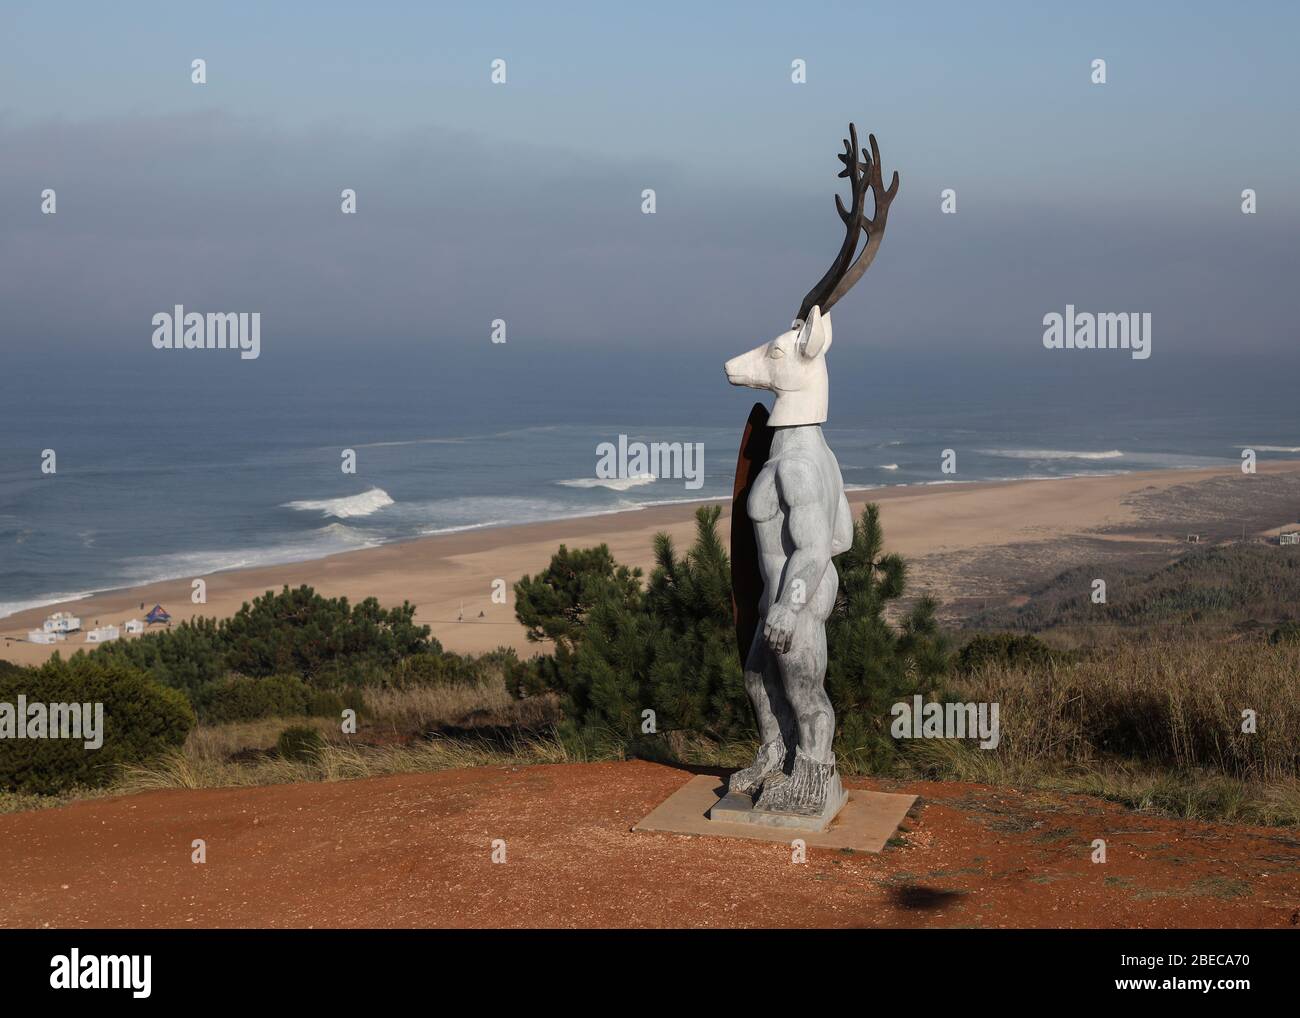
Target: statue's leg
<point>773,714</point>
<point>803,677</point>
<point>813,777</point>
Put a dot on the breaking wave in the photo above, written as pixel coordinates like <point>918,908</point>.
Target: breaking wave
<point>1052,454</point>
<point>348,506</point>
<point>613,483</point>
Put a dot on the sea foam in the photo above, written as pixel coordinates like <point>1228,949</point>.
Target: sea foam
<point>348,505</point>
<point>613,483</point>
<point>1052,454</point>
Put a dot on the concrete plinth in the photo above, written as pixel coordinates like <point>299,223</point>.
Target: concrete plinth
<point>738,808</point>
<point>865,822</point>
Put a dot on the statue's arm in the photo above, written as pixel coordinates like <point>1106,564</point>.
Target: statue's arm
<point>800,491</point>
<point>843,527</point>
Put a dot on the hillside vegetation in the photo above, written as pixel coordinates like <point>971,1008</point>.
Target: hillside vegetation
<point>1245,586</point>
<point>1177,695</point>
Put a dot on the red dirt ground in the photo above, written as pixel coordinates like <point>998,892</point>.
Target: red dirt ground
<point>415,850</point>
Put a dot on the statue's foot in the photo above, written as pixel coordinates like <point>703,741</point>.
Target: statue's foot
<point>769,761</point>
<point>803,792</point>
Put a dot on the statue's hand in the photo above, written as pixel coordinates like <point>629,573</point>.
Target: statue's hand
<point>778,630</point>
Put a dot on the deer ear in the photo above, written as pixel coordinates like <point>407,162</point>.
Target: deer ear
<point>815,336</point>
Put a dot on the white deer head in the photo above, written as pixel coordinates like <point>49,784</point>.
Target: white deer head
<point>794,364</point>
<point>794,367</point>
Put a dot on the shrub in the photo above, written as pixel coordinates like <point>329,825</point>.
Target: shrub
<point>432,670</point>
<point>187,656</point>
<point>243,698</point>
<point>355,699</point>
<point>299,743</point>
<point>141,720</point>
<point>672,647</point>
<point>326,641</point>
<point>322,639</point>
<point>1006,649</point>
<point>619,650</point>
<point>555,604</point>
<point>326,704</point>
<point>1287,633</point>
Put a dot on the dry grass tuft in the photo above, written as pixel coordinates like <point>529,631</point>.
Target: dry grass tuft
<point>421,708</point>
<point>391,739</point>
<point>1150,724</point>
<point>340,762</point>
<point>1156,725</point>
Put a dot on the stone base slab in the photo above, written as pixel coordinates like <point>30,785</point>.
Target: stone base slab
<point>865,822</point>
<point>738,808</point>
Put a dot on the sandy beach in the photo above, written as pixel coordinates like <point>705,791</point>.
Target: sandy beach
<point>931,526</point>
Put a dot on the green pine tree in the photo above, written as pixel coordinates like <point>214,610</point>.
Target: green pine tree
<point>619,649</point>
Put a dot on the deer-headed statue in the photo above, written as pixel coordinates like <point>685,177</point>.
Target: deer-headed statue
<point>800,518</point>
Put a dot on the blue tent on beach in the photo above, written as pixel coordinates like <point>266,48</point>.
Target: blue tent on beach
<point>159,614</point>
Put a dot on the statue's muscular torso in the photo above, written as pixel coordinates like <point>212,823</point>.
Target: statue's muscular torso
<point>797,504</point>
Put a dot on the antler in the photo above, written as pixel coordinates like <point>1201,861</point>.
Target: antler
<point>841,276</point>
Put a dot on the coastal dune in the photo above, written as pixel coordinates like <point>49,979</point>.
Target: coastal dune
<point>450,574</point>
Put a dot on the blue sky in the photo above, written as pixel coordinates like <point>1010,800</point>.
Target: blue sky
<point>522,201</point>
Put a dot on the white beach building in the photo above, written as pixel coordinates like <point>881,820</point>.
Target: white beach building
<point>103,634</point>
<point>41,636</point>
<point>133,626</point>
<point>62,622</point>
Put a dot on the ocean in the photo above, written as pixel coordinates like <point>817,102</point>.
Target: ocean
<point>178,464</point>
